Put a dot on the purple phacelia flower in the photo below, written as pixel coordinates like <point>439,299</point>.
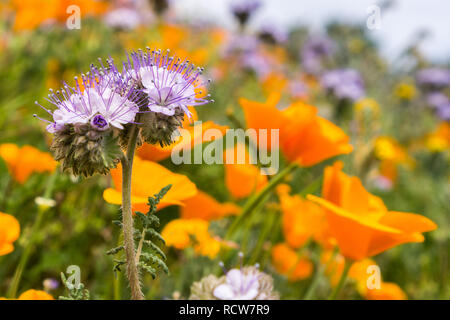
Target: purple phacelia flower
<point>257,62</point>
<point>169,83</point>
<point>315,50</point>
<point>245,44</point>
<point>239,286</point>
<point>344,84</point>
<point>103,100</point>
<point>298,89</point>
<point>437,99</point>
<point>434,77</point>
<point>123,18</point>
<point>272,34</point>
<point>443,112</point>
<point>243,9</point>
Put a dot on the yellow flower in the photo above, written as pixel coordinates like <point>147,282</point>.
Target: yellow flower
<point>23,161</point>
<point>387,148</point>
<point>184,233</point>
<point>405,91</point>
<point>367,104</point>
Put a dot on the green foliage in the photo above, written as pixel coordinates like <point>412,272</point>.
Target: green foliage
<point>150,256</point>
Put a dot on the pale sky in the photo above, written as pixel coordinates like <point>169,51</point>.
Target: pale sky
<point>399,24</point>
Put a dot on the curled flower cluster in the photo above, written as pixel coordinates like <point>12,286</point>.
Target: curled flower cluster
<point>91,119</point>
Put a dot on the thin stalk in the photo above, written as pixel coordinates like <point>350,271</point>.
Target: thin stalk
<point>117,276</point>
<point>320,270</point>
<point>116,286</point>
<point>347,266</point>
<point>263,236</point>
<point>7,192</point>
<point>250,222</point>
<point>127,218</point>
<point>253,201</point>
<point>29,247</point>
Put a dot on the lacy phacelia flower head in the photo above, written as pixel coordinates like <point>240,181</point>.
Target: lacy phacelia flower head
<point>89,118</point>
<point>168,86</point>
<point>103,99</point>
<point>246,283</point>
<point>239,285</point>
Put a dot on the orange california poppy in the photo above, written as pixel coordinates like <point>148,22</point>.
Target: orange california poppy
<point>242,178</point>
<point>302,220</point>
<point>360,222</point>
<point>35,295</point>
<point>184,233</point>
<point>304,137</point>
<point>287,262</point>
<point>387,291</point>
<point>203,206</point>
<point>190,136</point>
<point>148,178</point>
<point>23,161</point>
<point>51,11</point>
<point>9,232</point>
<point>173,35</point>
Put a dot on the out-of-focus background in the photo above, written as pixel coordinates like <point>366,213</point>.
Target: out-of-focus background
<point>398,27</point>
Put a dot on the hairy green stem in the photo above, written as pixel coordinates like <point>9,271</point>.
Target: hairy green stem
<point>253,202</point>
<point>14,286</point>
<point>347,266</point>
<point>127,218</point>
